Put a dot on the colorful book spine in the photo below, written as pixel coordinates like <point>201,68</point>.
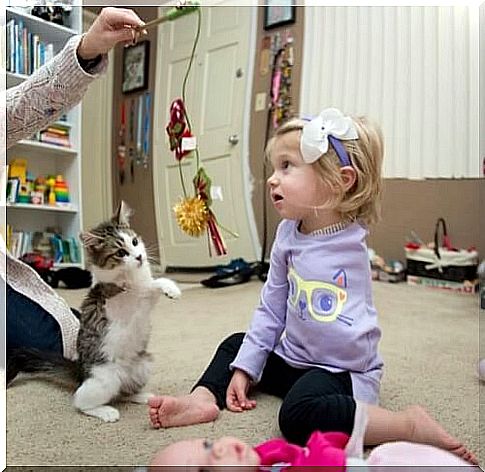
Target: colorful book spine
<point>25,50</point>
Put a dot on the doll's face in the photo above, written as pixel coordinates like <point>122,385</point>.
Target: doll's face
<point>200,455</point>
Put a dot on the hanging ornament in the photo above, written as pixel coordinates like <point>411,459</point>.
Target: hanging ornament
<point>193,213</point>
<point>177,129</point>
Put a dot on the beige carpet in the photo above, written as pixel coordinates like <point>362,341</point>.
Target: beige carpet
<point>429,345</point>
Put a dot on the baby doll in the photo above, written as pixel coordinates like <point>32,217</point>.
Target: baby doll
<point>335,450</point>
<point>322,449</point>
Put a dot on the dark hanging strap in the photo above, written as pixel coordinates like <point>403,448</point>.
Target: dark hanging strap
<point>445,242</point>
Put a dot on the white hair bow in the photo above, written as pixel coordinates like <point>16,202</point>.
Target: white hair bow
<point>315,134</point>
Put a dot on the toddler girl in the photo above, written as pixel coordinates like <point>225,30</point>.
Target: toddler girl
<point>313,340</point>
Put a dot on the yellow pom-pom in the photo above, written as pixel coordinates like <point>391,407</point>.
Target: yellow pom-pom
<point>192,215</point>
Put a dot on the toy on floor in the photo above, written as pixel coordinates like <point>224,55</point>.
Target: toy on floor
<point>393,271</point>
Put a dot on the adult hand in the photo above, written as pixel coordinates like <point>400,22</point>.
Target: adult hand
<point>236,395</point>
<point>112,26</point>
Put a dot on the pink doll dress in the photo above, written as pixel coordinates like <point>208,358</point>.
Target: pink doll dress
<point>323,449</point>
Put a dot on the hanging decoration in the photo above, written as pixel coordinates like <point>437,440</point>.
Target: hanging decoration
<point>121,151</point>
<point>281,102</point>
<point>193,212</point>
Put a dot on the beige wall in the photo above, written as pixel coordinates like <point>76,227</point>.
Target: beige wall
<point>416,205</point>
<point>258,120</point>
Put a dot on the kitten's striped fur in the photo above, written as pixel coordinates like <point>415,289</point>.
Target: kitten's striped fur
<point>114,323</point>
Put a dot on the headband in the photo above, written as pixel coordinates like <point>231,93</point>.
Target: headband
<point>329,126</point>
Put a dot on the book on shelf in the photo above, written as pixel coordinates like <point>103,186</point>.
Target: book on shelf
<point>48,244</point>
<point>26,52</point>
<point>56,133</point>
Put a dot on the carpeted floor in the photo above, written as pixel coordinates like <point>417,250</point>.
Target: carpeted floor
<point>429,345</point>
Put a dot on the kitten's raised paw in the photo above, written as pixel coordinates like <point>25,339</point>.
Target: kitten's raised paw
<point>168,287</point>
<point>106,413</point>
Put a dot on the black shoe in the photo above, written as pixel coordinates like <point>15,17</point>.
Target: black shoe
<point>231,278</point>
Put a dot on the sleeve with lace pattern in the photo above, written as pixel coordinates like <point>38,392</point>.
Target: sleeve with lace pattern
<point>48,93</point>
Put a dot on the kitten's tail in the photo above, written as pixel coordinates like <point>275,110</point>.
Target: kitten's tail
<point>49,364</point>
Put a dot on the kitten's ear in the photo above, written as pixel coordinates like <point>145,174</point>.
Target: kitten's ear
<point>123,214</point>
<point>88,239</point>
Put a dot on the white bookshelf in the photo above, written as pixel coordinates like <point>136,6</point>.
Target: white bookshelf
<point>47,159</point>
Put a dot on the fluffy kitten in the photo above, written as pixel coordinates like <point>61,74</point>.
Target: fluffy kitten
<point>114,323</point>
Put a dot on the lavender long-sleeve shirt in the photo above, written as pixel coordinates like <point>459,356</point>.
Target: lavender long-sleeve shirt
<point>316,309</point>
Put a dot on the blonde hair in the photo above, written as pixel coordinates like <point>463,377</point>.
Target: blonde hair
<point>362,200</point>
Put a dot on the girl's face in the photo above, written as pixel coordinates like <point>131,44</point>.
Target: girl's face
<point>296,188</point>
<point>200,455</point>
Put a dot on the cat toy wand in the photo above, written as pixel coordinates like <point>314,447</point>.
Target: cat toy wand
<point>181,9</point>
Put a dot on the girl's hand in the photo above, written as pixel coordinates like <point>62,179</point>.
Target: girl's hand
<point>236,398</point>
<point>112,26</point>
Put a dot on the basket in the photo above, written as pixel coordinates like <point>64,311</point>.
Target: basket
<point>443,262</point>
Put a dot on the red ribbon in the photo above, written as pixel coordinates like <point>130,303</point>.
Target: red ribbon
<point>177,128</point>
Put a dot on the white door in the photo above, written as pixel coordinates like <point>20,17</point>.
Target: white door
<point>217,94</point>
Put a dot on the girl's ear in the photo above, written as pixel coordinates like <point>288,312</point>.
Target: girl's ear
<point>349,176</point>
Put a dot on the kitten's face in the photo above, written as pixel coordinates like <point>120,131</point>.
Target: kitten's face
<point>114,246</point>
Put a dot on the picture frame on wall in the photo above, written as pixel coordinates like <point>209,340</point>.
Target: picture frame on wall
<point>135,67</point>
<point>279,13</point>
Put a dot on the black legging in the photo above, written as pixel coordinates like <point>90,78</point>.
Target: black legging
<point>313,399</point>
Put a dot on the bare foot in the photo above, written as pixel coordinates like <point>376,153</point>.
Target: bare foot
<point>426,430</point>
<point>166,412</point>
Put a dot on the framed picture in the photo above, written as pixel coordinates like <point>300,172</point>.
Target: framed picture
<point>278,13</point>
<point>135,67</point>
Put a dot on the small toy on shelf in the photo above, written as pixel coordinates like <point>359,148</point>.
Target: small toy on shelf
<point>61,190</point>
<point>24,195</point>
<point>39,196</point>
<point>18,169</point>
<point>51,196</point>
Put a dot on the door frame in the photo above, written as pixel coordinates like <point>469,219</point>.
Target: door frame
<point>245,164</point>
<point>103,150</point>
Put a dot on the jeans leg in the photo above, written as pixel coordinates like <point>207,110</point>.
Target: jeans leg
<point>217,376</point>
<point>29,325</point>
<point>319,400</point>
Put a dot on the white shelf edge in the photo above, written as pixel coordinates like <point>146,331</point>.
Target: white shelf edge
<point>65,265</point>
<point>45,146</point>
<point>32,206</point>
<point>40,21</point>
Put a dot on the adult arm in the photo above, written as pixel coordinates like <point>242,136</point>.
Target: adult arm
<point>61,83</point>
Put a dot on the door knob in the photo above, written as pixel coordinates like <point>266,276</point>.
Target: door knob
<point>234,139</point>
